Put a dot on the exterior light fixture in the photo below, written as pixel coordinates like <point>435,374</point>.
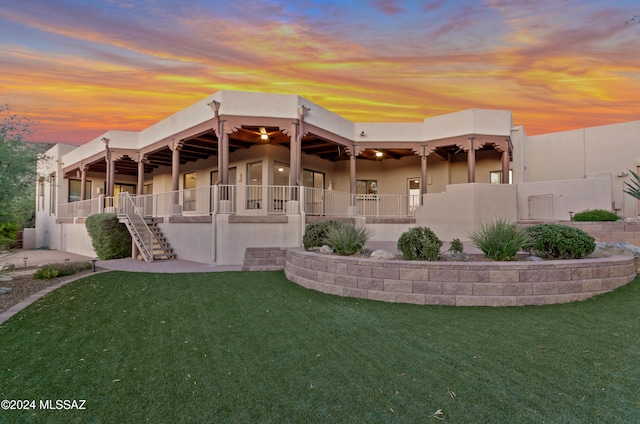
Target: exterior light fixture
<point>302,110</point>
<point>215,105</point>
<point>263,134</point>
<point>379,154</point>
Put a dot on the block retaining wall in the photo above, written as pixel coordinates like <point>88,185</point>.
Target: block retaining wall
<point>459,283</point>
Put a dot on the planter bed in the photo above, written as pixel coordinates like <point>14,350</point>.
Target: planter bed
<point>459,283</point>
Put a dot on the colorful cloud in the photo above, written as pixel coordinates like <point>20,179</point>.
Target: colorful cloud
<point>80,68</point>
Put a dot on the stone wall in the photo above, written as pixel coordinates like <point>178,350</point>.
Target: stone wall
<point>459,283</point>
<point>264,259</point>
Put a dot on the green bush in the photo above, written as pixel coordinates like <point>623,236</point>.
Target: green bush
<point>315,233</point>
<point>500,240</point>
<point>560,241</point>
<point>419,243</point>
<point>110,238</point>
<point>595,215</point>
<point>456,246</point>
<point>347,239</point>
<point>49,271</point>
<point>8,234</point>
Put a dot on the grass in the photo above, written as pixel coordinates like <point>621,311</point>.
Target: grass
<point>254,347</point>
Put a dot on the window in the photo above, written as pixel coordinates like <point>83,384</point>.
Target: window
<point>495,177</point>
<point>147,189</point>
<point>75,187</point>
<point>231,176</point>
<point>41,194</point>
<point>189,193</point>
<point>367,187</point>
<point>254,185</point>
<point>312,178</point>
<point>280,174</point>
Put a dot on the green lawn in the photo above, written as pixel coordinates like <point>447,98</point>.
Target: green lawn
<point>255,348</point>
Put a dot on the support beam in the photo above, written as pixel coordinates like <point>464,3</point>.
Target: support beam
<point>83,182</point>
<point>140,188</point>
<point>111,169</point>
<point>471,162</point>
<point>223,171</point>
<point>175,175</point>
<point>294,154</point>
<point>505,167</point>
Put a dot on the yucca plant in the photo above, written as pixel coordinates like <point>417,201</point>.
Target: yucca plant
<point>500,240</point>
<point>347,239</point>
<point>633,188</point>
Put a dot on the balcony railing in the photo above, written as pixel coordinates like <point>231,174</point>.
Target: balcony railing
<point>253,200</point>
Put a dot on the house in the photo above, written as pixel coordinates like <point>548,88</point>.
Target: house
<point>247,169</point>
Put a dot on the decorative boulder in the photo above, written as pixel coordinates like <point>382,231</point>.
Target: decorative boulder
<point>7,267</point>
<point>604,250</point>
<point>326,249</point>
<point>454,256</point>
<point>382,254</point>
<point>5,290</point>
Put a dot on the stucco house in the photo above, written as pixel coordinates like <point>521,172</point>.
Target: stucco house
<point>247,169</point>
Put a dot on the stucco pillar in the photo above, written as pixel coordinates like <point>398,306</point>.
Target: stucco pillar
<point>175,176</point>
<point>294,155</point>
<point>140,187</point>
<point>83,182</point>
<point>223,171</point>
<point>471,162</point>
<point>112,174</point>
<point>505,167</point>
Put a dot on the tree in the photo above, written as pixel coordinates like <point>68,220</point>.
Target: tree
<point>18,160</point>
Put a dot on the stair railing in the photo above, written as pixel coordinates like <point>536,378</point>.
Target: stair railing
<point>140,231</point>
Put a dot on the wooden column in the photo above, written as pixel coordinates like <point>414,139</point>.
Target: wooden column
<point>294,154</point>
<point>505,167</point>
<point>112,174</point>
<point>471,162</point>
<point>175,170</point>
<point>83,182</point>
<point>223,171</point>
<point>140,188</point>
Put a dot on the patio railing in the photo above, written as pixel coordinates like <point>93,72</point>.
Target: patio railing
<point>253,200</point>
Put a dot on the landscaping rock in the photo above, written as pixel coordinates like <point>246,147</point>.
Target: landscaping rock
<point>7,267</point>
<point>5,278</point>
<point>604,250</point>
<point>5,290</point>
<point>326,249</point>
<point>533,258</point>
<point>382,254</point>
<point>454,256</point>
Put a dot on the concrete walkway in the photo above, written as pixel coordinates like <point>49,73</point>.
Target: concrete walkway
<point>36,257</point>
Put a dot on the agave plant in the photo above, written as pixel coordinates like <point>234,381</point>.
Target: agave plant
<point>633,188</point>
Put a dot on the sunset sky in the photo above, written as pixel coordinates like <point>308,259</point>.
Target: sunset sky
<point>81,67</point>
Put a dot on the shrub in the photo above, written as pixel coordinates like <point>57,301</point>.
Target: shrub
<point>419,243</point>
<point>456,246</point>
<point>110,238</point>
<point>595,215</point>
<point>500,240</point>
<point>8,234</point>
<point>347,239</point>
<point>316,232</point>
<point>49,271</point>
<point>560,241</point>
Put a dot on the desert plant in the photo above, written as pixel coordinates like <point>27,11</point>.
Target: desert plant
<point>500,240</point>
<point>110,238</point>
<point>595,215</point>
<point>633,188</point>
<point>347,239</point>
<point>560,241</point>
<point>456,246</point>
<point>419,243</point>
<point>49,271</point>
<point>316,232</point>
